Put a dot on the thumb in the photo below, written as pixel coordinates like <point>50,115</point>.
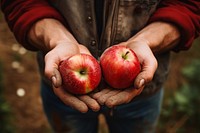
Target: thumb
<point>51,69</point>
<point>56,78</point>
<point>148,68</point>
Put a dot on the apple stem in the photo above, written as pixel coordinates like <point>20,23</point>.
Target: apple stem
<point>125,55</point>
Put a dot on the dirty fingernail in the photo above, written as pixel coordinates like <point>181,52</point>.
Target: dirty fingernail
<point>56,78</point>
<point>141,83</point>
<point>54,81</point>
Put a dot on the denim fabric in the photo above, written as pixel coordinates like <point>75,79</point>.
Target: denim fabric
<point>139,116</point>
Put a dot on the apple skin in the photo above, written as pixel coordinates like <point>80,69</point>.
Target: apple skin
<point>119,66</point>
<point>81,73</point>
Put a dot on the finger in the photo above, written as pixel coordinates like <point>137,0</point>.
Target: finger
<point>147,60</point>
<point>98,94</point>
<point>149,66</point>
<point>140,90</point>
<point>90,102</point>
<point>56,78</point>
<point>102,99</point>
<point>123,97</point>
<point>70,100</point>
<point>55,56</point>
<point>51,63</point>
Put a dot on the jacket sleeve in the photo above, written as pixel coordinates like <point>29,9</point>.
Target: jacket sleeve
<point>22,14</point>
<point>185,15</point>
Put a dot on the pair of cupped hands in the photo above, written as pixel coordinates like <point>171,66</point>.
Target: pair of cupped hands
<point>50,36</point>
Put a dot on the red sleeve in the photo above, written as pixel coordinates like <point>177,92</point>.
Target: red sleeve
<point>185,15</point>
<point>22,14</point>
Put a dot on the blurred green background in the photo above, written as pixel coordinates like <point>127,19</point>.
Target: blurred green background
<point>21,107</point>
<point>181,111</point>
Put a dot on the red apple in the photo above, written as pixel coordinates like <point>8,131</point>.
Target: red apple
<point>80,73</point>
<point>119,66</point>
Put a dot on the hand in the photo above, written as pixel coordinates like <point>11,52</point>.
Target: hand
<point>155,38</point>
<point>52,60</point>
<point>52,37</point>
<point>80,103</point>
<point>113,97</point>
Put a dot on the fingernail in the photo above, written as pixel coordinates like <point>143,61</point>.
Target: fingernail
<point>54,81</point>
<point>96,109</point>
<point>141,83</point>
<point>56,78</point>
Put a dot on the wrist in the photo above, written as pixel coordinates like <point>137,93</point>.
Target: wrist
<point>47,33</point>
<point>159,36</point>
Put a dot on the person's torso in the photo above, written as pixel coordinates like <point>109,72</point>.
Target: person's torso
<point>121,19</point>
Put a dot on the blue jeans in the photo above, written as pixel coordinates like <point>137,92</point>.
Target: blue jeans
<point>138,116</point>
